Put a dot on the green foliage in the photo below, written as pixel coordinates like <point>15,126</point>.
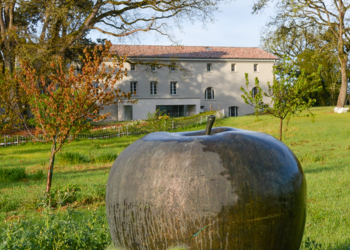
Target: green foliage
<point>39,175</point>
<point>309,60</point>
<point>78,158</point>
<point>60,196</point>
<point>288,95</point>
<point>311,244</point>
<point>256,100</point>
<point>179,248</point>
<point>72,231</point>
<point>8,204</point>
<point>105,157</point>
<point>320,147</point>
<point>73,158</point>
<point>306,49</point>
<point>153,116</point>
<point>12,174</point>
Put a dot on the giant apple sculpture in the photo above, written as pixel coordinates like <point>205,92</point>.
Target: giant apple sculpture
<point>233,189</point>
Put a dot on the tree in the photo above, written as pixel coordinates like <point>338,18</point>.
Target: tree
<point>66,101</point>
<point>42,30</point>
<point>330,17</point>
<point>12,102</point>
<point>302,47</point>
<point>255,99</point>
<point>308,61</point>
<point>288,95</point>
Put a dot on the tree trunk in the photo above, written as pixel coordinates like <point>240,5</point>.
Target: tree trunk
<point>344,81</point>
<point>281,125</point>
<point>51,165</point>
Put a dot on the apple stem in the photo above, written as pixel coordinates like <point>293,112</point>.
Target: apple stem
<point>210,122</point>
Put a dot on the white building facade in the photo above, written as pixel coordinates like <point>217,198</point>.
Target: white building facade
<point>203,78</point>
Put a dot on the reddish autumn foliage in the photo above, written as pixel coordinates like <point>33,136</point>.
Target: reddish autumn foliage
<point>62,102</point>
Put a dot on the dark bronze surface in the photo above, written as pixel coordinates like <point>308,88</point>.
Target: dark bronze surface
<point>234,189</point>
<point>210,122</point>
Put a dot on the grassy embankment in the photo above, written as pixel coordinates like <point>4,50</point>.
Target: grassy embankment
<point>323,147</point>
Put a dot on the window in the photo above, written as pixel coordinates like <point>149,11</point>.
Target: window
<point>209,94</point>
<point>132,67</point>
<point>208,67</point>
<point>255,91</point>
<point>153,88</point>
<point>255,68</point>
<point>173,88</point>
<point>133,88</point>
<point>233,67</point>
<point>79,69</point>
<point>153,68</point>
<point>172,68</point>
<point>233,111</point>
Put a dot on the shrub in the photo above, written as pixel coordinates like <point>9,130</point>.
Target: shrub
<point>12,174</point>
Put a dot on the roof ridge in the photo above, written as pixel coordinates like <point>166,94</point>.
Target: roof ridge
<point>206,46</point>
<point>182,51</point>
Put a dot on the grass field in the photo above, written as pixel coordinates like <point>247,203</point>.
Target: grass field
<point>323,148</point>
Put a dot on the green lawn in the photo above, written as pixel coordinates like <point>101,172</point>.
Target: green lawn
<point>323,148</point>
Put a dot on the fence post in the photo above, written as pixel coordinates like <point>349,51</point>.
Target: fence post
<point>119,131</point>
<point>172,125</point>
<point>127,131</point>
<point>5,140</point>
<point>17,139</point>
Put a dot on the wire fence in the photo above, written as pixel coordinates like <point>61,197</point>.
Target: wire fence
<point>132,128</point>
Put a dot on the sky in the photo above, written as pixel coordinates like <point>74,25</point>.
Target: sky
<point>234,26</point>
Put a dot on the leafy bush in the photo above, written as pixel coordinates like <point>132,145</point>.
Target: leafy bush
<point>73,158</point>
<point>73,230</point>
<point>60,196</point>
<point>12,174</point>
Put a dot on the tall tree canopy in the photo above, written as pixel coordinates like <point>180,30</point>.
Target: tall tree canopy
<point>40,29</point>
<point>303,48</point>
<point>330,18</point>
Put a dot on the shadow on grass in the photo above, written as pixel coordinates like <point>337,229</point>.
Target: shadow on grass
<point>31,151</point>
<point>323,169</point>
<point>56,175</point>
<point>22,183</point>
<point>82,171</point>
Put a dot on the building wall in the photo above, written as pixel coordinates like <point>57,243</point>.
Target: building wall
<point>191,85</point>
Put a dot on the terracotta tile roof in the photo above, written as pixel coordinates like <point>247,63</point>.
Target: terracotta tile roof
<point>154,51</point>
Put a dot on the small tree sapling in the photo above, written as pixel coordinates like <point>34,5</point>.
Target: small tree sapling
<point>66,100</point>
<point>253,99</point>
<point>288,95</point>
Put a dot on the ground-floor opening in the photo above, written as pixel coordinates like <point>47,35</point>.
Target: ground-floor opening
<point>128,113</point>
<point>177,110</point>
<point>233,111</point>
